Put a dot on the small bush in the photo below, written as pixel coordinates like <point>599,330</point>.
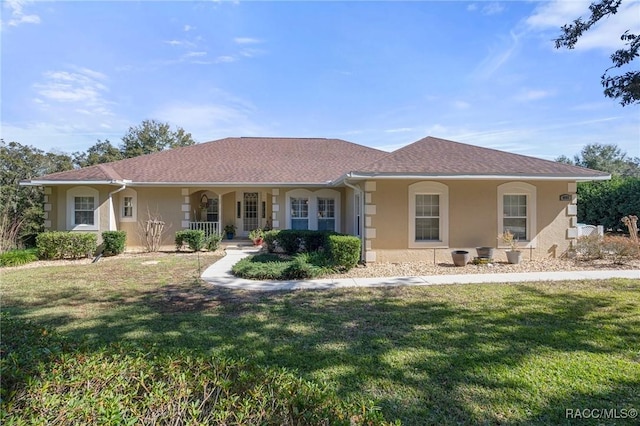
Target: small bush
<point>114,242</point>
<point>48,380</point>
<point>66,245</point>
<point>344,251</point>
<point>213,242</point>
<point>264,266</point>
<point>589,247</point>
<point>299,268</point>
<point>619,248</point>
<point>18,257</point>
<point>192,237</point>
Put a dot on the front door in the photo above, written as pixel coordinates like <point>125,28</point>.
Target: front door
<point>250,219</point>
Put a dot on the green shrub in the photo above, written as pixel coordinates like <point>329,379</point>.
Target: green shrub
<point>47,380</point>
<point>344,251</point>
<point>293,241</point>
<point>114,242</point>
<point>213,242</point>
<point>265,266</point>
<point>66,245</point>
<point>300,268</point>
<point>192,237</point>
<point>18,257</point>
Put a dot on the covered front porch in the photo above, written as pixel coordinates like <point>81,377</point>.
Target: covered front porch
<point>211,210</point>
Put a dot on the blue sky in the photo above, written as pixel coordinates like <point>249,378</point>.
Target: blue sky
<point>381,74</point>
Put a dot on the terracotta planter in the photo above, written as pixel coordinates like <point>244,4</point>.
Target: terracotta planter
<point>257,241</point>
<point>514,257</point>
<point>460,257</point>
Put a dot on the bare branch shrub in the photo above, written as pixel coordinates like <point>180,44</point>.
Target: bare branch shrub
<point>151,230</point>
<point>632,224</point>
<point>619,248</point>
<point>589,247</point>
<point>9,231</point>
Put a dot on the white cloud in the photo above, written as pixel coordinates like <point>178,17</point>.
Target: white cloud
<point>461,105</point>
<point>188,28</point>
<point>18,16</point>
<point>195,54</point>
<point>498,57</point>
<point>605,34</point>
<point>400,130</point>
<point>211,121</point>
<point>247,40</point>
<point>533,95</point>
<point>80,86</point>
<point>492,8</point>
<point>472,7</point>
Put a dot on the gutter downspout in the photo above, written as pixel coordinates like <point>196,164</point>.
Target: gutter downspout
<point>361,224</point>
<point>112,213</point>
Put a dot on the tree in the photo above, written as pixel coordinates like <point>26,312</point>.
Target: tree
<point>21,208</point>
<point>153,136</point>
<point>101,152</point>
<point>607,158</point>
<point>625,87</point>
<point>606,202</point>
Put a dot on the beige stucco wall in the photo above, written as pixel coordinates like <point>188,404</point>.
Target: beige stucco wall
<point>473,220</point>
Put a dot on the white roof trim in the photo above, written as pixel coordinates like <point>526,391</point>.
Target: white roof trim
<point>73,182</point>
<point>580,178</point>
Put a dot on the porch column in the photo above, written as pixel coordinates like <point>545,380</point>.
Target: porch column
<point>186,208</point>
<point>275,208</point>
<point>369,215</point>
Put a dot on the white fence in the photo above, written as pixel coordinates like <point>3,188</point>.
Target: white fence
<point>209,228</point>
<point>586,230</point>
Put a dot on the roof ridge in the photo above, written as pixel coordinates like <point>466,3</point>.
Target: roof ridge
<point>109,171</point>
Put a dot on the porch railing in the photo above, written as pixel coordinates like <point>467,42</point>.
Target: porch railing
<point>209,228</point>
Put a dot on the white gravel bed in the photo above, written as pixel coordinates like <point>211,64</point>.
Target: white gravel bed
<point>409,269</point>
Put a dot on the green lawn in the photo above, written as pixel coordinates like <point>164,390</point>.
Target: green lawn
<point>473,354</point>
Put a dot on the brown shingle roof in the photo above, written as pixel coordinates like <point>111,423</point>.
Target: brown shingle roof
<point>434,156</point>
<point>315,161</point>
<point>237,160</point>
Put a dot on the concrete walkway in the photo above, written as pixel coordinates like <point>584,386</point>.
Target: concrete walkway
<point>219,274</point>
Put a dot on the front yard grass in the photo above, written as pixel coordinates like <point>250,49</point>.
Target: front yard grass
<point>459,354</point>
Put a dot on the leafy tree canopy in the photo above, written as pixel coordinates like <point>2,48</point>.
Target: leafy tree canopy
<point>607,158</point>
<point>101,152</point>
<point>626,86</point>
<point>153,136</point>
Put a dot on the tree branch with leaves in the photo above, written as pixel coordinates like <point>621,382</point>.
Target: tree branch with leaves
<point>626,86</point>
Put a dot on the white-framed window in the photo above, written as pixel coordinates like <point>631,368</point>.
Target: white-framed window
<point>326,214</point>
<point>83,209</point>
<point>299,213</point>
<point>428,215</point>
<point>128,205</point>
<point>517,211</point>
<point>318,210</point>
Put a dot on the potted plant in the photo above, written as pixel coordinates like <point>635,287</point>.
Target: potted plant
<point>513,255</point>
<point>257,236</point>
<point>230,230</point>
<point>460,257</point>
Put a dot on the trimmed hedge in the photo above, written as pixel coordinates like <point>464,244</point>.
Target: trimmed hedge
<point>314,253</point>
<point>66,245</point>
<point>50,380</point>
<point>114,242</point>
<point>194,238</point>
<point>344,251</point>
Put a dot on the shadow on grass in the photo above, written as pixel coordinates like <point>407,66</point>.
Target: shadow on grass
<point>485,354</point>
